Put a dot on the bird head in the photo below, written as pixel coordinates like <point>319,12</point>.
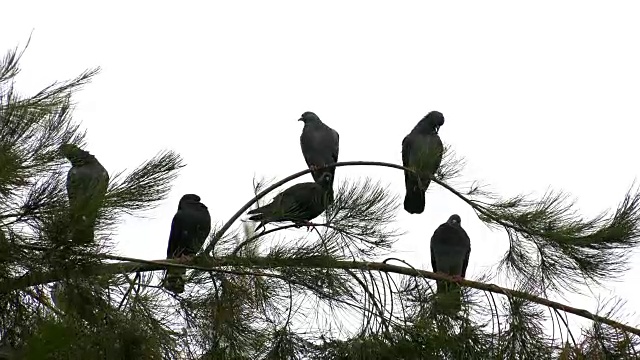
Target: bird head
<point>188,199</point>
<point>68,149</point>
<point>431,122</point>
<point>454,220</point>
<point>73,153</point>
<point>309,116</point>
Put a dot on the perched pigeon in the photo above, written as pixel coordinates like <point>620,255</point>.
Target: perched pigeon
<point>450,249</point>
<point>421,150</point>
<point>319,144</point>
<point>189,229</point>
<point>87,182</point>
<point>299,204</point>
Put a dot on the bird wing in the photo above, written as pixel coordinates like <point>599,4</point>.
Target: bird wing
<point>103,178</point>
<point>434,264</point>
<point>177,235</point>
<point>318,144</point>
<point>73,185</point>
<point>406,150</point>
<point>86,182</point>
<point>201,218</point>
<point>297,203</point>
<point>425,153</point>
<point>297,199</point>
<point>467,245</point>
<point>434,152</point>
<point>336,145</point>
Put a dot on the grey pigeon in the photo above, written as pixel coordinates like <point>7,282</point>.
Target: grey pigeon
<point>189,230</point>
<point>319,144</point>
<point>422,151</point>
<point>87,182</point>
<point>450,250</point>
<point>299,203</point>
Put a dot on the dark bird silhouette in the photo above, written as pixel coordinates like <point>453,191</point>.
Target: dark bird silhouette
<point>320,145</point>
<point>189,230</point>
<point>422,151</point>
<point>450,250</point>
<point>87,182</point>
<point>299,203</point>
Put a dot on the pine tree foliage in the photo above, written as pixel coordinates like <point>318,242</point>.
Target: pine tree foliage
<point>77,317</point>
<point>284,292</point>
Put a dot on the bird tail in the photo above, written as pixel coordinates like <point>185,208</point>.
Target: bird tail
<point>425,184</point>
<point>414,201</point>
<point>256,217</point>
<point>174,281</point>
<point>259,215</point>
<point>449,296</point>
<point>258,212</point>
<point>84,231</point>
<point>330,197</point>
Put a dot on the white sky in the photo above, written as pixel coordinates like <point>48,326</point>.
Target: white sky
<point>533,96</point>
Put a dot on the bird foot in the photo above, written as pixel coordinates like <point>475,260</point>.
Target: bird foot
<point>309,225</point>
<point>184,258</point>
<point>313,168</point>
<point>457,277</point>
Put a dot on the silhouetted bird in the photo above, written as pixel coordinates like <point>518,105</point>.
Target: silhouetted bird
<point>422,151</point>
<point>320,145</point>
<point>299,204</point>
<point>450,250</point>
<point>189,230</point>
<point>87,183</point>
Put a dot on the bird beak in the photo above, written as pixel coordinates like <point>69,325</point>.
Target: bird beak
<point>300,119</point>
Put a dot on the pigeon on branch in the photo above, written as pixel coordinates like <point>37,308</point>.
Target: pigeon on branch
<point>87,182</point>
<point>450,250</point>
<point>421,151</point>
<point>319,144</point>
<point>299,203</point>
<point>189,230</point>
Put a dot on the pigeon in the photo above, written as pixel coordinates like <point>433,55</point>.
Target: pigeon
<point>299,203</point>
<point>189,229</point>
<point>319,144</point>
<point>87,182</point>
<point>450,250</point>
<point>422,151</point>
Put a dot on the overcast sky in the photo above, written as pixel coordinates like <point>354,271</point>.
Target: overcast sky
<point>533,96</point>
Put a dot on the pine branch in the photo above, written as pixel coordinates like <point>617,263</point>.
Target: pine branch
<point>220,233</point>
<point>9,65</point>
<point>571,250</point>
<point>129,265</point>
<point>145,186</point>
<point>299,260</point>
